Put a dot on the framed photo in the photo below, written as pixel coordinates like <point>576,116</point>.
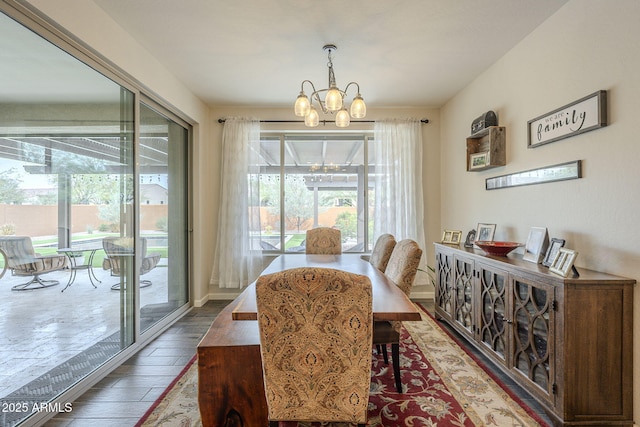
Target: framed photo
<point>552,251</point>
<point>563,261</point>
<point>478,160</point>
<point>536,245</point>
<point>451,237</point>
<point>484,232</point>
<point>471,237</point>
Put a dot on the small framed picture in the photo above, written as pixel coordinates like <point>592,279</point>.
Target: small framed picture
<point>471,237</point>
<point>478,160</point>
<point>563,261</point>
<point>536,245</point>
<point>451,237</point>
<point>485,232</point>
<point>554,245</point>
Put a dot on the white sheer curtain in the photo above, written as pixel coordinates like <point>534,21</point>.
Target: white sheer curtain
<point>238,261</point>
<point>399,207</point>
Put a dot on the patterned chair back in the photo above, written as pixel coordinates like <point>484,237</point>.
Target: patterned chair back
<point>315,334</point>
<point>382,251</point>
<point>324,241</point>
<point>403,264</point>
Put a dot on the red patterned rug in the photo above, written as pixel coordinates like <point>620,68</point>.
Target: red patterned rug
<point>443,386</point>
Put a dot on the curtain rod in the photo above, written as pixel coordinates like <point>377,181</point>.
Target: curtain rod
<point>324,122</point>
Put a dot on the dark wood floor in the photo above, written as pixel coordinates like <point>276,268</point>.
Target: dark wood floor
<point>123,397</point>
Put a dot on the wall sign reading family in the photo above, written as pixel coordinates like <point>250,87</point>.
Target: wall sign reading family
<point>581,116</point>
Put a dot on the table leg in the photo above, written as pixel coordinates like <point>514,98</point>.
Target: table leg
<point>92,274</point>
<point>72,269</point>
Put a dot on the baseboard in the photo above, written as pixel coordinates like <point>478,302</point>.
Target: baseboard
<point>201,302</point>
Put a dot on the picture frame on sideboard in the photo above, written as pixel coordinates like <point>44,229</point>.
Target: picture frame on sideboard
<point>563,262</point>
<point>451,237</point>
<point>554,246</point>
<point>536,246</point>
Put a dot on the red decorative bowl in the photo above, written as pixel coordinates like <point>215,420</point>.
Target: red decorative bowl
<point>497,248</point>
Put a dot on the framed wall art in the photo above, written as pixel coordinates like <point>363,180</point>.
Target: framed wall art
<point>563,262</point>
<point>536,245</point>
<point>559,172</point>
<point>578,117</point>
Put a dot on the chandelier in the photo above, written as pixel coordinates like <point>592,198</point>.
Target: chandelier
<point>333,100</point>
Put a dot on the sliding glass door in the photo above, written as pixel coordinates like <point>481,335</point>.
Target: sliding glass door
<point>94,203</point>
<point>163,216</point>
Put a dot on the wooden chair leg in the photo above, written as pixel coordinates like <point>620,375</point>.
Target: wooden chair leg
<point>385,356</point>
<point>395,355</point>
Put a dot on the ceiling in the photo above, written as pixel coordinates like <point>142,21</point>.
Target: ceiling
<point>403,53</point>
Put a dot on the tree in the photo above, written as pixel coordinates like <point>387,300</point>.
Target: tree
<point>298,201</point>
<point>347,222</point>
<point>10,192</point>
<point>91,183</point>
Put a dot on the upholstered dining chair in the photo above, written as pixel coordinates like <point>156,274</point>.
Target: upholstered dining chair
<point>382,251</point>
<point>401,270</point>
<point>119,250</point>
<point>315,341</point>
<point>324,241</point>
<point>22,260</point>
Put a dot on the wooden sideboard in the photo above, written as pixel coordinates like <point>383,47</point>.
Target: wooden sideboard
<point>567,341</point>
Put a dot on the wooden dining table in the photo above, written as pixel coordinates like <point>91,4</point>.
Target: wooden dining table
<point>230,385</point>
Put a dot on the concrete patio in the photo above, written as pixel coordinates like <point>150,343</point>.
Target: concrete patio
<point>43,328</point>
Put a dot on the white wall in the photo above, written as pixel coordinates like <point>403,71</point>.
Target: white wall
<point>90,24</point>
<point>431,168</point>
<point>586,46</point>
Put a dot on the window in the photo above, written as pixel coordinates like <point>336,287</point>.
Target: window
<point>312,180</point>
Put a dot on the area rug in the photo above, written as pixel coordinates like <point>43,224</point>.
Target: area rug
<point>443,386</point>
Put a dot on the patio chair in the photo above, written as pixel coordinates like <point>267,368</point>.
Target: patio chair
<point>22,260</point>
<point>324,241</point>
<point>315,341</point>
<point>401,270</point>
<point>119,250</point>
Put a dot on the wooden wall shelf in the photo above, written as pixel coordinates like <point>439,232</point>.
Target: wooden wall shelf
<point>486,149</point>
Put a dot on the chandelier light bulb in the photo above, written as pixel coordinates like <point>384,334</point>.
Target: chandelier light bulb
<point>333,100</point>
<point>312,119</point>
<point>302,105</point>
<point>358,108</point>
<point>342,118</point>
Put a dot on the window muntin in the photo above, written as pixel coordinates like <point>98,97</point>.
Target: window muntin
<point>310,180</point>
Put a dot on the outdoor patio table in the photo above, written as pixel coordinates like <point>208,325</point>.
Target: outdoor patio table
<point>77,251</point>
